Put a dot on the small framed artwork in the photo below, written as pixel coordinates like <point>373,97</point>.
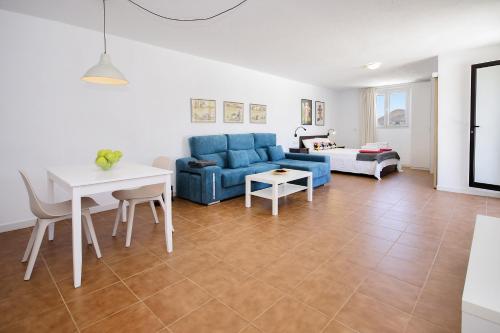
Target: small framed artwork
<point>306,112</point>
<point>233,112</point>
<point>258,113</point>
<point>203,110</point>
<point>320,113</point>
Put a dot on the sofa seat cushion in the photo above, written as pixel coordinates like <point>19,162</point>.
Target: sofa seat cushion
<point>232,177</point>
<point>263,167</point>
<point>318,169</point>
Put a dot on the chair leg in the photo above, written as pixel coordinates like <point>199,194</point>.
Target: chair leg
<point>87,233</point>
<point>117,219</point>
<point>30,242</point>
<point>52,231</point>
<point>153,209</point>
<point>42,225</point>
<point>162,204</point>
<point>130,222</point>
<point>90,227</point>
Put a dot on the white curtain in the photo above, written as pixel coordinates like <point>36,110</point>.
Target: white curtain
<point>367,128</point>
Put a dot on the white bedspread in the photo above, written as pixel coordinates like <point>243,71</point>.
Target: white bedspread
<point>343,159</point>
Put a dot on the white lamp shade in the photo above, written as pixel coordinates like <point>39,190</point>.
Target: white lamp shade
<point>105,73</point>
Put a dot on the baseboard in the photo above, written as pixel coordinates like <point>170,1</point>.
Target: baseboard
<point>31,222</point>
<point>419,168</point>
<point>469,190</point>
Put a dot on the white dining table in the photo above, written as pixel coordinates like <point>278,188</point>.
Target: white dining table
<point>85,180</point>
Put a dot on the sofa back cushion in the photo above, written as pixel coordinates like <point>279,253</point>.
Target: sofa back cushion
<point>276,153</point>
<point>237,159</point>
<point>264,140</point>
<point>240,141</point>
<point>209,147</point>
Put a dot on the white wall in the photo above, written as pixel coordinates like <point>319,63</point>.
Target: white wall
<point>412,143</point>
<point>454,117</point>
<point>49,117</point>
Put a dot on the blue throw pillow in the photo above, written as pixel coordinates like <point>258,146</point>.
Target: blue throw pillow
<point>253,157</point>
<point>262,154</point>
<point>276,153</point>
<point>237,159</point>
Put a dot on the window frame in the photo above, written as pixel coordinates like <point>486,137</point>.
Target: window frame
<point>386,92</point>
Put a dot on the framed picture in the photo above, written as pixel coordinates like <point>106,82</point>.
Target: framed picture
<point>258,113</point>
<point>233,112</point>
<point>306,112</point>
<point>203,110</point>
<point>320,113</point>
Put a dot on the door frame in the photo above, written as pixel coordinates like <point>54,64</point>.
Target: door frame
<point>472,182</point>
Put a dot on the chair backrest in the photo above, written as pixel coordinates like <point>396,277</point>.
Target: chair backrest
<point>162,162</point>
<point>36,205</point>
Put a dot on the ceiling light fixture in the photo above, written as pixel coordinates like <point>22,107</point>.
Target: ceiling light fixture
<point>104,72</point>
<point>373,65</point>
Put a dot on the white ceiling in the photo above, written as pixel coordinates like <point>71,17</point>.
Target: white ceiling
<point>324,42</point>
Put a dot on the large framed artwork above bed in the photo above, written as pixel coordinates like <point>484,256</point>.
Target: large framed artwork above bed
<point>376,162</point>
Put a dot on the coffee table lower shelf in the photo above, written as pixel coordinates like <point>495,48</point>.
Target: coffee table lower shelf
<point>283,190</point>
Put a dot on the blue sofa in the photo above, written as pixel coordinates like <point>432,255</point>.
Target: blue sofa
<point>238,155</point>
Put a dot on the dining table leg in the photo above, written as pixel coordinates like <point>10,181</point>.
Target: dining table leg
<point>76,218</point>
<point>167,213</point>
<point>51,196</point>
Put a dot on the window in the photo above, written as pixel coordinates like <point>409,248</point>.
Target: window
<point>391,108</point>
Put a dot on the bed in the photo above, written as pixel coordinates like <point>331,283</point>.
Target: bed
<point>345,160</point>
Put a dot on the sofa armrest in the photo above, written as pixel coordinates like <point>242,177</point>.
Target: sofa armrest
<point>307,157</point>
<point>182,164</point>
<point>206,189</point>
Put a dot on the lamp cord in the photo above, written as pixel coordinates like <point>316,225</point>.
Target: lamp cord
<point>187,20</point>
<point>104,25</point>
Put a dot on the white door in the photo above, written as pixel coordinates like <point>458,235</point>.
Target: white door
<point>486,129</point>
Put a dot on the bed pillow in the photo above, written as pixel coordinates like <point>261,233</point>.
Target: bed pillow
<point>237,159</point>
<point>323,146</point>
<point>276,153</point>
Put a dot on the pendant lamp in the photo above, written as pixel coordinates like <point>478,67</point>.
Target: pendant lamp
<point>104,72</point>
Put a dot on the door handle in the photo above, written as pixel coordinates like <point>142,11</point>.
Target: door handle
<point>476,126</point>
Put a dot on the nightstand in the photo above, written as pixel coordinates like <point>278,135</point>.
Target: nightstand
<point>299,150</point>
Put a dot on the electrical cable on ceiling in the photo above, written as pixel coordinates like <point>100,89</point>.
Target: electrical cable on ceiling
<point>187,19</point>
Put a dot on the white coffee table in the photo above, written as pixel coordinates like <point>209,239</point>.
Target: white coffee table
<point>280,186</point>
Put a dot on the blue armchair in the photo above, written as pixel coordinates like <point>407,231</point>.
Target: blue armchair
<point>227,179</point>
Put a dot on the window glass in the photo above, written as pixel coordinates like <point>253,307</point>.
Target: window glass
<point>397,109</point>
<point>380,110</point>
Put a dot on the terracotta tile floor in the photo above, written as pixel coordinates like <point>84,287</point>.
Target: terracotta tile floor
<point>364,256</point>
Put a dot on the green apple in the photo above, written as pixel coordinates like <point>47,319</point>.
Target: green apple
<point>103,152</point>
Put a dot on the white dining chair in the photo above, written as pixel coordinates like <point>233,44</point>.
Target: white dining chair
<point>48,213</point>
<point>133,197</point>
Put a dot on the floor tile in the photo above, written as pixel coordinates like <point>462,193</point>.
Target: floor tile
<point>102,303</point>
<point>136,318</point>
<point>290,316</point>
<point>212,317</point>
<point>176,301</point>
<point>92,280</point>
<point>152,280</point>
<point>219,278</point>
<point>410,272</point>
<point>366,314</point>
<point>417,325</point>
<point>336,327</point>
<point>56,320</point>
<point>397,293</point>
<point>250,298</point>
<point>134,264</point>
